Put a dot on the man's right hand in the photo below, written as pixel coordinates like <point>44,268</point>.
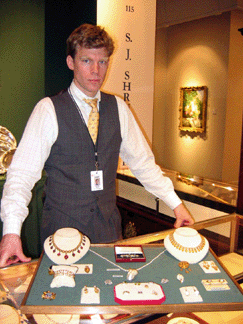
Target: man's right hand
<point>11,250</point>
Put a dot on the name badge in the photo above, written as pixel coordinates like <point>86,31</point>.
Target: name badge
<point>96,180</point>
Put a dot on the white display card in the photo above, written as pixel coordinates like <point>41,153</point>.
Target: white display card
<point>90,295</point>
<point>209,267</point>
<point>190,294</point>
<point>215,284</point>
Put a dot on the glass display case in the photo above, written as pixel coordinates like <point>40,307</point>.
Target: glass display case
<point>197,186</point>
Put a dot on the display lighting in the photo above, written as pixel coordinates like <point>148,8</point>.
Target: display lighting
<point>189,179</point>
<point>96,319</point>
<point>222,187</point>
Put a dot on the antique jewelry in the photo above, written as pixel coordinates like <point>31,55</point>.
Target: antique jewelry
<point>85,289</point>
<point>164,280</point>
<point>83,268</point>
<point>194,291</point>
<point>187,249</point>
<point>206,265</point>
<point>180,278</point>
<point>209,267</point>
<point>87,269</point>
<point>139,293</point>
<point>48,295</point>
<point>64,276</point>
<point>213,265</point>
<point>215,284</point>
<point>184,265</point>
<point>66,246</point>
<point>59,251</point>
<point>131,273</point>
<point>117,276</point>
<point>67,273</point>
<point>90,295</point>
<point>96,289</point>
<point>190,294</point>
<point>186,244</point>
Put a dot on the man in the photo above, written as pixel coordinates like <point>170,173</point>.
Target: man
<point>81,171</point>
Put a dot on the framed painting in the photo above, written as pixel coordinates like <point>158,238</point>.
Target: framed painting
<point>193,104</point>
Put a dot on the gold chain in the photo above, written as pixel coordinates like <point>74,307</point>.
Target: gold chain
<point>187,249</point>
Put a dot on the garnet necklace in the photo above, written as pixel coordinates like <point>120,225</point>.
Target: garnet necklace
<point>66,253</point>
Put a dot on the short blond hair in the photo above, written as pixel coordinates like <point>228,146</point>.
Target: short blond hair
<point>89,36</point>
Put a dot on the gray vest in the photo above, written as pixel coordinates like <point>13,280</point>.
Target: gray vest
<point>72,158</point>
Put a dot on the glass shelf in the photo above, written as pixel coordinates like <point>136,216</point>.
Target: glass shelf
<point>205,188</point>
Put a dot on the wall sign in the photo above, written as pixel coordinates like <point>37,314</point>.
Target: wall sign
<point>131,73</point>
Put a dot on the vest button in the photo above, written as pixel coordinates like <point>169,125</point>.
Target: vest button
<point>92,209</point>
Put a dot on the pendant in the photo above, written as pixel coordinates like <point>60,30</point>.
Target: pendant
<point>131,274</point>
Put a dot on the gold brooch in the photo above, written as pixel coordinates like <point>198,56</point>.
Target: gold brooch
<point>184,265</point>
<point>48,295</point>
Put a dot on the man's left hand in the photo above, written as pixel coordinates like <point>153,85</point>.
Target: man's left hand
<point>183,216</point>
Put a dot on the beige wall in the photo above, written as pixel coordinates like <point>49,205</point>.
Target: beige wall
<point>232,141</point>
<point>195,53</point>
<point>159,94</point>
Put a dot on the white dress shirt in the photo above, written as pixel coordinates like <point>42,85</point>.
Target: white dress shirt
<point>34,148</point>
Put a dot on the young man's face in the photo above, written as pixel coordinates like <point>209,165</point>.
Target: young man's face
<point>89,67</point>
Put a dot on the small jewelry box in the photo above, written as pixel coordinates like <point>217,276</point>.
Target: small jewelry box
<point>129,253</point>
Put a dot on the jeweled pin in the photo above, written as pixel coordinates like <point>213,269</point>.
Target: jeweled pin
<point>184,265</point>
<point>48,295</point>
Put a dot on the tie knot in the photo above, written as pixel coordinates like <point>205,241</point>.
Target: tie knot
<point>92,103</point>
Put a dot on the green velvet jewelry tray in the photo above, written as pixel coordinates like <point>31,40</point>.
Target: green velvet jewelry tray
<point>155,268</point>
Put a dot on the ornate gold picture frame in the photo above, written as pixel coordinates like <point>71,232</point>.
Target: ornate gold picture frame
<point>193,102</point>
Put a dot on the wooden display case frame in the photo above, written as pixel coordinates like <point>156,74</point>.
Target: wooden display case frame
<point>133,309</point>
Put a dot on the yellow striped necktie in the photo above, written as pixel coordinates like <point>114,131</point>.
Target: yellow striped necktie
<point>93,122</point>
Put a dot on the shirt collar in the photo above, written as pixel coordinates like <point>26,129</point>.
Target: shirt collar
<point>78,95</point>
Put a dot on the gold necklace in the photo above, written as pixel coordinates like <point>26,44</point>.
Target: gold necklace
<point>59,251</point>
<point>187,249</point>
